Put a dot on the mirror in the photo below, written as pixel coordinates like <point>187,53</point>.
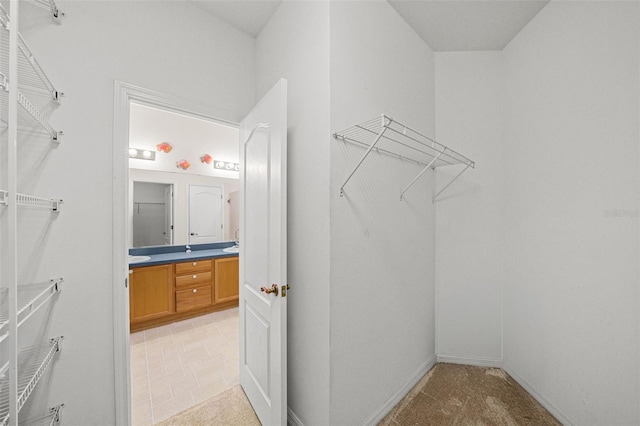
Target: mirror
<point>152,214</point>
<point>170,156</point>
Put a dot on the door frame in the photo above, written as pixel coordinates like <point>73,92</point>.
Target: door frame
<point>124,95</point>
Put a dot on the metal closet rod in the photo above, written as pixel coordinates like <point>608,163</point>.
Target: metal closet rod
<point>378,128</point>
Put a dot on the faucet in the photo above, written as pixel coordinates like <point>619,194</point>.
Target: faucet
<point>188,247</point>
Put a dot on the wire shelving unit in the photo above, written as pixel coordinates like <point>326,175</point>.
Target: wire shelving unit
<point>23,82</point>
<point>402,142</point>
<point>25,200</point>
<point>33,362</point>
<point>50,419</point>
<point>4,313</point>
<point>31,76</point>
<point>32,297</point>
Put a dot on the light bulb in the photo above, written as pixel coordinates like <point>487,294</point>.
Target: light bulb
<point>133,152</point>
<point>146,154</point>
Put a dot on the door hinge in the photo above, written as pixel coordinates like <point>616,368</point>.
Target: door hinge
<point>284,290</point>
<point>126,282</point>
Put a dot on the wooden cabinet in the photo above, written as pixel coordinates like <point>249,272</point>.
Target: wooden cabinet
<point>193,285</point>
<point>193,298</point>
<point>150,293</point>
<point>166,293</point>
<point>226,282</point>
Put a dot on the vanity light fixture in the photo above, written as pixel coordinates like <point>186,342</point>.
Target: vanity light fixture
<point>226,165</point>
<point>142,154</point>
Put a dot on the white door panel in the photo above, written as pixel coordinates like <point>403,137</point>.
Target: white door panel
<point>263,256</point>
<point>205,214</point>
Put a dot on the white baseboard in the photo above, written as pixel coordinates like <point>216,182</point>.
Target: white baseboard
<point>379,414</point>
<point>479,362</point>
<point>292,419</point>
<point>555,412</point>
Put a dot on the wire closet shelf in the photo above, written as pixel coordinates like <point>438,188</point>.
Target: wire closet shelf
<point>413,146</point>
<point>26,200</point>
<point>31,76</point>
<point>33,362</point>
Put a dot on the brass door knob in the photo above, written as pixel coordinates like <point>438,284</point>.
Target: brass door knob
<point>273,289</point>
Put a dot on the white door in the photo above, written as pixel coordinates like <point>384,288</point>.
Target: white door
<point>168,215</point>
<point>263,256</point>
<point>205,214</point>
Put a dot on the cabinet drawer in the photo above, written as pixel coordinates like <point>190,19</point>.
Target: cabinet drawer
<point>193,298</point>
<point>193,266</point>
<point>195,279</point>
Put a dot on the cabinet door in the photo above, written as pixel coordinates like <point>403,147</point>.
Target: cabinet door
<point>150,292</point>
<point>226,280</point>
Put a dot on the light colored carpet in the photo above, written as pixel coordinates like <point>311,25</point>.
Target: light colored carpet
<point>451,394</point>
<point>231,408</point>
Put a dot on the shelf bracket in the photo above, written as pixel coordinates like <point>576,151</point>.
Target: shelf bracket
<point>420,174</point>
<point>435,197</point>
<point>366,154</point>
<point>55,414</point>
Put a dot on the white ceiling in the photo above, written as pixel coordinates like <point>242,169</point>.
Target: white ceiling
<point>249,16</point>
<point>446,25</point>
<point>468,25</point>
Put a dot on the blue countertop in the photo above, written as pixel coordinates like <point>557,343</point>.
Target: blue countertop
<point>172,254</point>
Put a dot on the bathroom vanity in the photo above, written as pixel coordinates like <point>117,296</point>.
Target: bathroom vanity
<point>172,283</point>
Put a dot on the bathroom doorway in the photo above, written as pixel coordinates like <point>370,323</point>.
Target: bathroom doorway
<point>126,96</point>
<point>171,367</point>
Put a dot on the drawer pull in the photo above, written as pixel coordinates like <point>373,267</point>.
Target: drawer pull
<point>195,290</point>
<point>195,276</point>
<point>195,263</point>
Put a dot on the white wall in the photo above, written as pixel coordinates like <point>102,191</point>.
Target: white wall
<point>470,213</point>
<point>382,249</point>
<point>171,47</point>
<point>572,184</point>
<point>295,45</point>
<point>181,182</point>
<point>191,138</point>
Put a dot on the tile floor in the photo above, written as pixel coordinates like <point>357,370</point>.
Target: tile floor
<point>179,365</point>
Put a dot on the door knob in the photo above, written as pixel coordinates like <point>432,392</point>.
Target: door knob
<point>273,289</point>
